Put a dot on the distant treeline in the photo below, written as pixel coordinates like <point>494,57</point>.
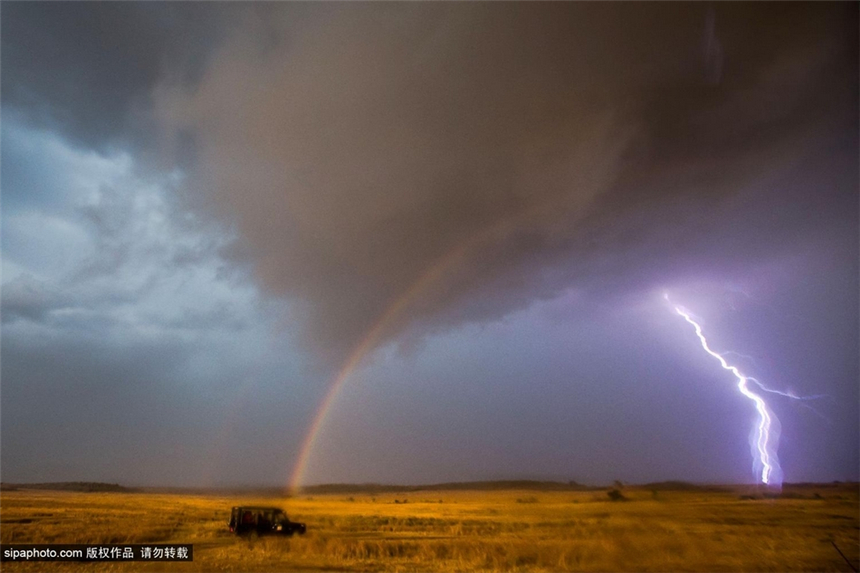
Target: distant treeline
<point>681,486</point>
<point>89,486</point>
<point>375,488</point>
<point>451,486</point>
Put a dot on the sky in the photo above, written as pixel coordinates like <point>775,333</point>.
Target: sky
<point>413,243</point>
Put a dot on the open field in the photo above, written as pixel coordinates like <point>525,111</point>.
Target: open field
<point>655,529</point>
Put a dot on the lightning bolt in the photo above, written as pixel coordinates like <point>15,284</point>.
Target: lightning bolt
<point>764,441</point>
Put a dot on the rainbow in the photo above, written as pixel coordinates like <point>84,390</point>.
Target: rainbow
<point>364,346</point>
<point>429,278</point>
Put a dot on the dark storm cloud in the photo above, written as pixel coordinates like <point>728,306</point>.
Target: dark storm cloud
<point>583,145</point>
<point>86,69</point>
<point>600,146</point>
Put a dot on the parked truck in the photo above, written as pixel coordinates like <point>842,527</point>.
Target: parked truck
<point>262,521</point>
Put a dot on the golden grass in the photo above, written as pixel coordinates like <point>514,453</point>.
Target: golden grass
<point>439,531</point>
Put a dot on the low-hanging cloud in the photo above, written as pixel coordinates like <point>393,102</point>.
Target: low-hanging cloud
<point>511,151</point>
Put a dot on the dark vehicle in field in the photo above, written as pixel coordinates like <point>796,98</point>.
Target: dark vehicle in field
<point>262,521</point>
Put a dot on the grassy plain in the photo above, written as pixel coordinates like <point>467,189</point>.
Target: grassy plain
<point>437,531</point>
